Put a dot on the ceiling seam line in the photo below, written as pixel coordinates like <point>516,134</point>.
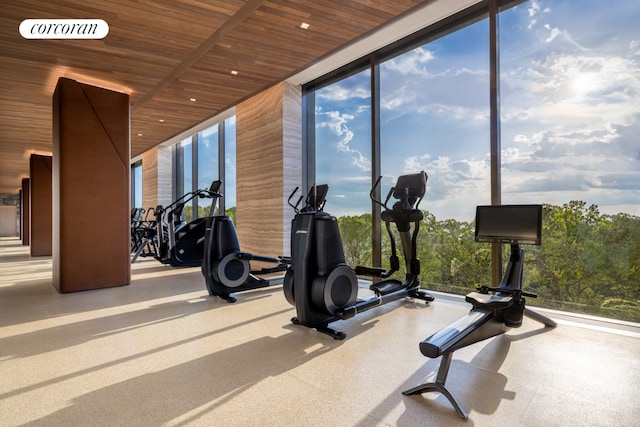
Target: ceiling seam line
<point>243,13</point>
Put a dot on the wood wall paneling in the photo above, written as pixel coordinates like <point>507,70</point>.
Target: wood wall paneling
<point>8,221</point>
<point>157,172</point>
<point>259,164</point>
<point>292,153</point>
<point>268,162</point>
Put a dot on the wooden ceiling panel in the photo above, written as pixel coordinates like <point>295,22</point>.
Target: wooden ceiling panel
<point>163,53</point>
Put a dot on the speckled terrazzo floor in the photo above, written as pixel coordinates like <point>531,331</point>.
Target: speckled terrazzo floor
<point>161,352</point>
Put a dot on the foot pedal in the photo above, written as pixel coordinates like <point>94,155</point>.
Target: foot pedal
<point>386,287</point>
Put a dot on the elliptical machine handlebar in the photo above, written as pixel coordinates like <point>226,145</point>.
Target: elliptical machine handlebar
<point>315,200</point>
<point>372,194</point>
<point>184,199</point>
<point>295,207</point>
<point>409,191</point>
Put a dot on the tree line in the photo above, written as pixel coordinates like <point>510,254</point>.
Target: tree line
<point>588,262</point>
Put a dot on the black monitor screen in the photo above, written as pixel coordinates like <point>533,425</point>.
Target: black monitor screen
<point>317,195</point>
<point>517,224</point>
<point>413,185</point>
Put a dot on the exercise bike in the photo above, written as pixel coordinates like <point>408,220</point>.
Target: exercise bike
<point>494,310</point>
<point>319,283</point>
<point>181,244</point>
<point>227,269</point>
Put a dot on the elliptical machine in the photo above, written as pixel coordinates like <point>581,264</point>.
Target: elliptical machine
<point>181,244</point>
<point>143,235</point>
<point>228,270</point>
<point>319,283</point>
<point>495,309</point>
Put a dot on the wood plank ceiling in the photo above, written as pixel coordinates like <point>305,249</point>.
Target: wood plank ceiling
<point>165,53</point>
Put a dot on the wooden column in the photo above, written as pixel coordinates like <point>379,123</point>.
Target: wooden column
<point>40,232</point>
<point>24,212</point>
<point>268,161</point>
<point>91,187</point>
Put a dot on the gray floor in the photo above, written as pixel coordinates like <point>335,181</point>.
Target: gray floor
<point>161,352</point>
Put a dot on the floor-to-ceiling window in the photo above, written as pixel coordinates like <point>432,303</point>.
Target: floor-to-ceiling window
<point>184,175</point>
<point>136,185</point>
<point>202,158</point>
<point>343,158</point>
<point>566,108</point>
<point>434,117</point>
<point>229,189</point>
<point>570,87</point>
<point>207,161</point>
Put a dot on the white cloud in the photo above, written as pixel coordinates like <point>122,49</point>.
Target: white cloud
<point>414,63</point>
<point>338,124</point>
<point>338,92</point>
<point>534,8</point>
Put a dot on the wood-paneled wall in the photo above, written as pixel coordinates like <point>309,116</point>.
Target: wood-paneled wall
<point>8,221</point>
<point>292,155</point>
<point>157,169</point>
<point>268,159</point>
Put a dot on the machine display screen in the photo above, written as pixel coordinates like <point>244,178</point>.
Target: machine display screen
<point>515,224</point>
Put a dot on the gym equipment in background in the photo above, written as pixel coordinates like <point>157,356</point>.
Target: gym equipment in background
<point>495,309</point>
<point>319,283</point>
<point>180,244</point>
<point>143,234</point>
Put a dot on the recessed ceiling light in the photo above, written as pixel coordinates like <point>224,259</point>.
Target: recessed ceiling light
<point>192,99</point>
<point>304,26</point>
<point>161,120</point>
<point>234,72</point>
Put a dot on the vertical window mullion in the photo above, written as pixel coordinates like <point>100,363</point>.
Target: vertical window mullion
<point>133,186</point>
<point>194,174</point>
<point>221,166</point>
<point>376,168</point>
<point>494,103</point>
<point>178,158</point>
<point>308,140</point>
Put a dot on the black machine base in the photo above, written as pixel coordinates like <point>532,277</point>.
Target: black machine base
<point>438,385</point>
<point>323,328</point>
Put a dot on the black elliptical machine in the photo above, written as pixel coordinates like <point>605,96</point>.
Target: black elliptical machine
<point>143,234</point>
<point>227,270</point>
<point>494,310</point>
<point>319,283</point>
<point>181,244</point>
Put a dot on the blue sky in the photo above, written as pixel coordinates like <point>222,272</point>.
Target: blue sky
<point>570,110</point>
<point>208,161</point>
